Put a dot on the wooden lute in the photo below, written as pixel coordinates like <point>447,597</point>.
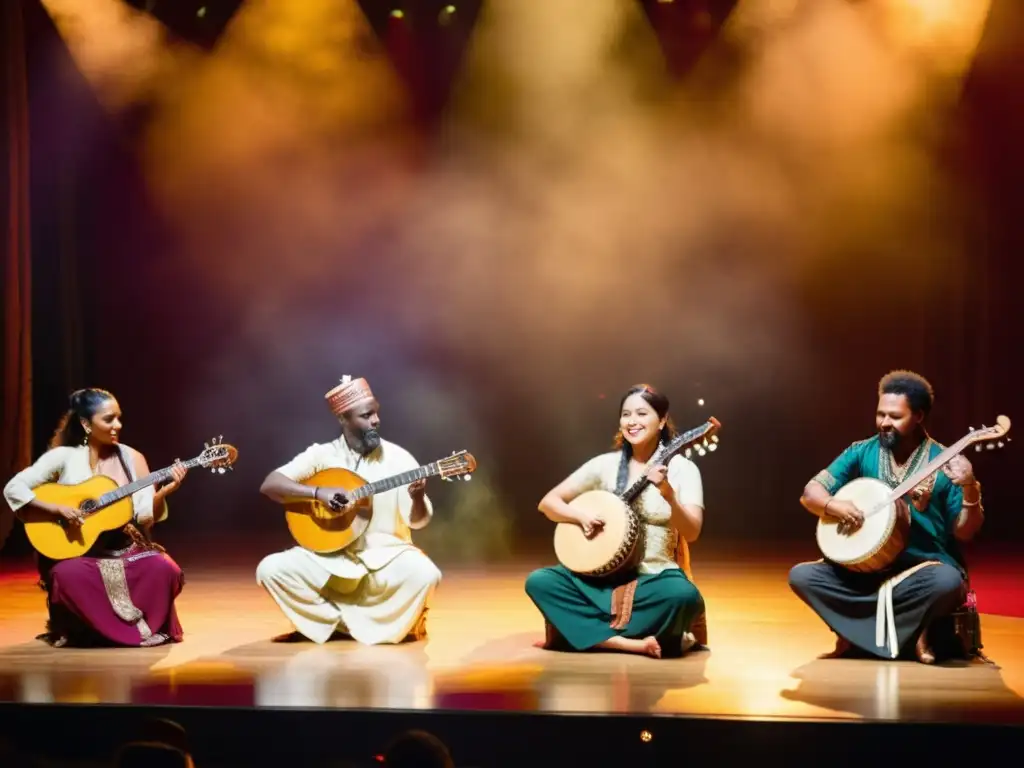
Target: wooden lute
<point>104,505</point>
<point>318,528</point>
<point>887,516</point>
<point>619,545</point>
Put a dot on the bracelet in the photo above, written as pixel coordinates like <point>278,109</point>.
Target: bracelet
<point>976,503</point>
<point>824,511</point>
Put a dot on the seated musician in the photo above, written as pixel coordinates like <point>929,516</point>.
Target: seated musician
<point>649,611</point>
<point>123,591</point>
<point>927,580</point>
<point>377,589</point>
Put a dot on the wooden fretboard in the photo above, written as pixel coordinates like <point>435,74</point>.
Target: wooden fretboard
<point>929,469</point>
<point>396,481</point>
<point>661,456</point>
<point>143,482</point>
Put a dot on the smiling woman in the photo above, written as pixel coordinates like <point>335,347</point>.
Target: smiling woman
<point>652,610</point>
<point>122,592</point>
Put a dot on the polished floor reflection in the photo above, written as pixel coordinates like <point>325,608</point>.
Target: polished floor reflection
<point>762,662</point>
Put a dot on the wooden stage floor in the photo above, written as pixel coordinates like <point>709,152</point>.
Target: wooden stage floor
<point>762,662</point>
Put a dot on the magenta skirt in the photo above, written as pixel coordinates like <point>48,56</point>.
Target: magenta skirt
<point>126,600</point>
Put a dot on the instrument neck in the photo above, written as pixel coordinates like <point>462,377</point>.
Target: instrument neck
<point>396,481</point>
<point>632,493</point>
<point>929,469</point>
<point>662,455</point>
<point>143,482</point>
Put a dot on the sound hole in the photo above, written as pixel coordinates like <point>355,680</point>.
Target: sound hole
<point>87,506</point>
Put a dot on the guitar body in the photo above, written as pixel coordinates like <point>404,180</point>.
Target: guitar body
<point>878,542</point>
<point>53,538</point>
<point>333,531</point>
<point>617,547</point>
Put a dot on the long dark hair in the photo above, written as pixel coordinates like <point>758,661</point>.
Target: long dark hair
<point>82,404</point>
<point>659,403</point>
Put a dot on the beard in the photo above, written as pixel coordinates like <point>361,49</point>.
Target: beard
<point>890,439</point>
<point>366,441</point>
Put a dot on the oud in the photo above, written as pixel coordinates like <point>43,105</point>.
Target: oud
<point>318,528</point>
<point>104,505</point>
<point>619,545</point>
<point>887,516</point>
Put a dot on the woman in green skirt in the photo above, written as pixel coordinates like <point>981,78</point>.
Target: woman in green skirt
<point>649,611</point>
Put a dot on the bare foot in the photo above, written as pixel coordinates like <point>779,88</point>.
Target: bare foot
<point>923,651</point>
<point>647,647</point>
<point>652,647</point>
<point>842,648</point>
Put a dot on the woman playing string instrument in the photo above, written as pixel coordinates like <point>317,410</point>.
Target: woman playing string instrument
<point>122,592</point>
<point>581,613</point>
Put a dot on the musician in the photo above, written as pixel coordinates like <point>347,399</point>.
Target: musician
<point>659,603</point>
<point>123,591</point>
<point>377,589</point>
<point>927,580</point>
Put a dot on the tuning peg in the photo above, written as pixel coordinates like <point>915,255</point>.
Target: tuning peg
<point>687,453</point>
<point>713,447</point>
<point>221,470</point>
<point>714,438</point>
<point>991,446</point>
<point>1000,443</point>
<point>701,452</point>
<point>467,478</point>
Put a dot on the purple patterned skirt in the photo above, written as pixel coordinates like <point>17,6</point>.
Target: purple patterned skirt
<point>124,599</point>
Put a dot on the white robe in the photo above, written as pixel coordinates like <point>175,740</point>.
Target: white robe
<point>376,589</point>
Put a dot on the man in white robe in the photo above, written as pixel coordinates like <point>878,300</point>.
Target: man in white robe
<point>377,589</point>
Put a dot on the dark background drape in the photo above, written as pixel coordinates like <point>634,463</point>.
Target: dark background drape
<point>16,438</point>
<point>45,215</point>
<point>93,294</point>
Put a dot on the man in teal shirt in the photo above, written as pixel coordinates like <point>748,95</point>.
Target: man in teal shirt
<point>888,612</point>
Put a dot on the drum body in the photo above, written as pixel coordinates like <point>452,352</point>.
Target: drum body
<point>878,542</point>
<point>617,547</point>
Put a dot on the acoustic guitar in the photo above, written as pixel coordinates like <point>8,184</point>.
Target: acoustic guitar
<point>887,516</point>
<point>318,528</point>
<point>619,545</point>
<point>104,505</point>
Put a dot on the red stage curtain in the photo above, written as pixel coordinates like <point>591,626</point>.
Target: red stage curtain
<point>16,435</point>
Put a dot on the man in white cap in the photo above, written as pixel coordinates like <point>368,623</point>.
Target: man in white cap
<point>376,589</point>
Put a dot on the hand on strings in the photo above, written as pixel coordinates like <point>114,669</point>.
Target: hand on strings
<point>657,475</point>
<point>418,488</point>
<point>74,517</point>
<point>959,470</point>
<point>850,518</point>
<point>178,472</point>
<point>590,522</point>
<point>334,499</point>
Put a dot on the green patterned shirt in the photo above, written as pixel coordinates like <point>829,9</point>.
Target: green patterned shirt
<point>932,529</point>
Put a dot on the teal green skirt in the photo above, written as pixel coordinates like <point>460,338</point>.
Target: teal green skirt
<point>579,610</point>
